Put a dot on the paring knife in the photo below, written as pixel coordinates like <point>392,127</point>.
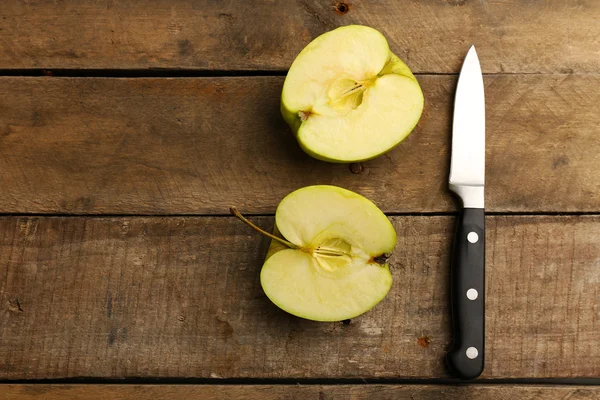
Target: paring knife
<point>467,172</point>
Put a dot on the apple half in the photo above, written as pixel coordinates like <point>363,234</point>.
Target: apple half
<point>327,258</point>
<point>348,98</point>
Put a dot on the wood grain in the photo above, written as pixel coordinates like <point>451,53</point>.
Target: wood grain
<point>200,145</point>
<point>430,35</point>
<point>180,297</point>
<point>290,392</point>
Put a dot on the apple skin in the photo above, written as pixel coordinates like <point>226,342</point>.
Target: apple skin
<point>335,161</point>
<point>394,66</point>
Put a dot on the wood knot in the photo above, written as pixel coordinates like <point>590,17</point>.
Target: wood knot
<point>14,305</point>
<point>560,162</point>
<point>357,168</point>
<point>424,341</point>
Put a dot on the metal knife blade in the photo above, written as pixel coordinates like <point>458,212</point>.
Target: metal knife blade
<point>467,166</point>
<point>467,176</point>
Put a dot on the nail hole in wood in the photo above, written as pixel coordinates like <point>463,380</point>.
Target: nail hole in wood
<point>342,8</point>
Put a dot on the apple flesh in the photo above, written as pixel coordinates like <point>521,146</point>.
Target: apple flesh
<point>327,259</point>
<point>348,98</point>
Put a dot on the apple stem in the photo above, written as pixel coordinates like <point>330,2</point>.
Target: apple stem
<point>235,212</point>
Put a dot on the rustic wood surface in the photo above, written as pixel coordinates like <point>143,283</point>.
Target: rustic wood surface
<point>173,290</point>
<point>198,146</point>
<point>291,392</point>
<point>431,36</point>
<point>180,297</point>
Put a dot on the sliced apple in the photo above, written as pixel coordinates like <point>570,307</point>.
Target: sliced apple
<point>329,263</point>
<point>348,98</point>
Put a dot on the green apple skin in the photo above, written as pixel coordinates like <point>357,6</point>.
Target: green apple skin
<point>393,65</point>
<point>299,283</point>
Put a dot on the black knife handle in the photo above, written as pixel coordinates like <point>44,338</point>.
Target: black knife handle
<point>467,289</point>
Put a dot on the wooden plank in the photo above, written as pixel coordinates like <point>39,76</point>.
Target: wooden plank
<point>180,297</point>
<point>431,36</point>
<point>289,392</point>
<point>171,146</point>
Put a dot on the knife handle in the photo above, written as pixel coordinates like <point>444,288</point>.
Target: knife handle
<point>467,289</point>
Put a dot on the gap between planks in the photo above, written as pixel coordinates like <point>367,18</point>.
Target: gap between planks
<point>250,214</point>
<point>132,381</point>
<point>201,73</point>
<point>312,392</point>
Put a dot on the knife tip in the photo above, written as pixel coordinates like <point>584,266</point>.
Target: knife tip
<point>472,56</point>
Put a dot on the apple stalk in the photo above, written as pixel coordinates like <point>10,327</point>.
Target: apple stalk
<point>238,214</point>
<point>321,251</point>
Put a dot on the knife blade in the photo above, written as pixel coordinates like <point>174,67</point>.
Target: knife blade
<point>467,178</point>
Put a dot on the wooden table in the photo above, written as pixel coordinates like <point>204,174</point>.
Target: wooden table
<point>127,129</point>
